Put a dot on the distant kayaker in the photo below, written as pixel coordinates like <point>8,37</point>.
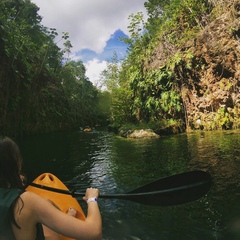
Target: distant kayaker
<point>27,216</point>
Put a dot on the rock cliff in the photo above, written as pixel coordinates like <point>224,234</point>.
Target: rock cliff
<point>210,87</point>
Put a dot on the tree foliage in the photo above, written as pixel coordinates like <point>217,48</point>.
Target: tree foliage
<point>41,90</point>
<point>110,76</point>
<point>153,92</point>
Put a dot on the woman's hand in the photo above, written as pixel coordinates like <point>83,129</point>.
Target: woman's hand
<point>91,193</point>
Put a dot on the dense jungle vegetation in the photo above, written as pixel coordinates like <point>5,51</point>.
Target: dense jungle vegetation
<point>43,90</point>
<point>182,68</point>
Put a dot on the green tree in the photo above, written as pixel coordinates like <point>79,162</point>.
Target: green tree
<point>37,94</point>
<point>154,90</point>
<point>110,76</point>
<point>81,94</point>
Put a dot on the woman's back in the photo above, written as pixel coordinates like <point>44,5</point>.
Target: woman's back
<point>30,211</point>
<point>26,227</point>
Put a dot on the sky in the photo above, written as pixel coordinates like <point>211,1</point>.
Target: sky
<point>94,28</point>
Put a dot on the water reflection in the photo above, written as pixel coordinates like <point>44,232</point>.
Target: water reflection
<point>114,165</point>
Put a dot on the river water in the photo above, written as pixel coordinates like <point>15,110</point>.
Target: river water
<point>117,165</point>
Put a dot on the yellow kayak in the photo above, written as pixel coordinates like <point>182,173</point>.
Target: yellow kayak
<point>60,200</point>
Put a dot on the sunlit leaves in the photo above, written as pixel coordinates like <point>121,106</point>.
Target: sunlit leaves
<point>110,76</point>
<point>136,26</point>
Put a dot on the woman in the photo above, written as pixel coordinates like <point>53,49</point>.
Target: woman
<point>24,215</point>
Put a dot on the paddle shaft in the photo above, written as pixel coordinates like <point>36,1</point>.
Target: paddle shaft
<point>121,195</point>
<point>173,190</point>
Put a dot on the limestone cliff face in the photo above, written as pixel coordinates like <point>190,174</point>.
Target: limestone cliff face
<point>210,88</point>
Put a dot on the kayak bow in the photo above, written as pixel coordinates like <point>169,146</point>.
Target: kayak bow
<point>60,200</point>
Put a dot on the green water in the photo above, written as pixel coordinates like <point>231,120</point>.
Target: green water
<point>115,165</point>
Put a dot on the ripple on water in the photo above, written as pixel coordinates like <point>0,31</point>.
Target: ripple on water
<point>117,165</point>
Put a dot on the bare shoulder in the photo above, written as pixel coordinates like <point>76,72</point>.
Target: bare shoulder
<point>37,203</point>
<point>24,211</point>
<point>30,196</point>
<point>36,206</point>
<point>32,200</point>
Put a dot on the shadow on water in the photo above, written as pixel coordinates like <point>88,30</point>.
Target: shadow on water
<point>115,165</point>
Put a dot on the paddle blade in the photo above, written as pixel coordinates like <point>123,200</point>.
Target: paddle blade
<point>174,190</point>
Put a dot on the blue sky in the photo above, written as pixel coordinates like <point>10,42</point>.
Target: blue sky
<point>94,28</point>
<point>114,44</point>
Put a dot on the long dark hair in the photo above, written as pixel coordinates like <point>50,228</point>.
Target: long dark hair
<point>10,164</point>
<point>10,170</point>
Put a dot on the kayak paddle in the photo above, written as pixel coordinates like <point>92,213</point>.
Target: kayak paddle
<point>174,190</point>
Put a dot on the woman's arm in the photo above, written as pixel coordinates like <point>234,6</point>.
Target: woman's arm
<point>44,212</point>
<point>93,215</point>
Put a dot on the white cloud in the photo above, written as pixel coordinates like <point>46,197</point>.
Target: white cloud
<point>93,70</point>
<point>89,23</point>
